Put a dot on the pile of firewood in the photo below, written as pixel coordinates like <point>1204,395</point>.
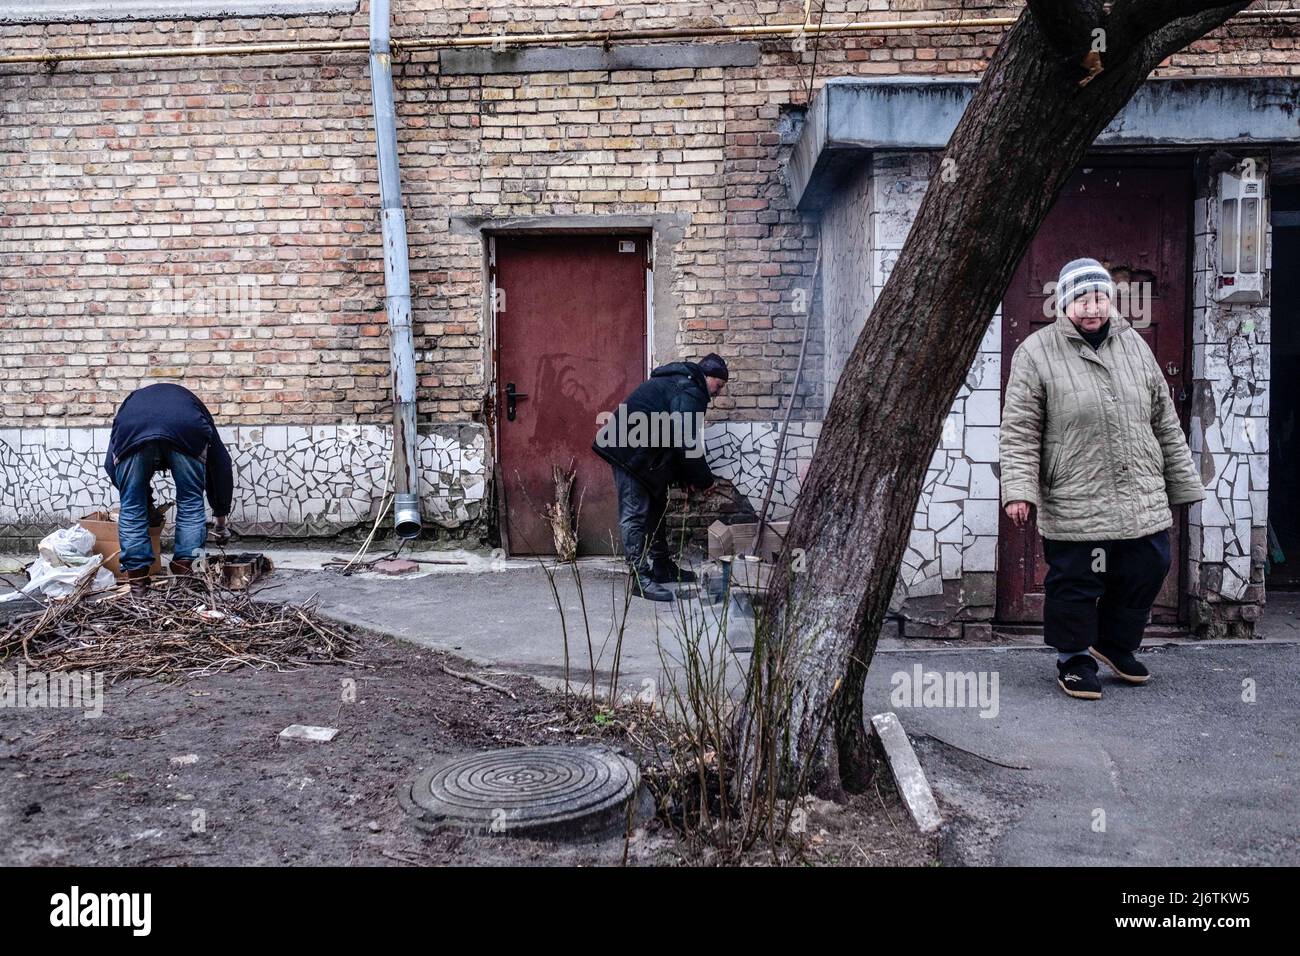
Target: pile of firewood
<point>180,627</point>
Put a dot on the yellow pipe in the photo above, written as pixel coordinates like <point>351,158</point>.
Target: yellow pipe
<point>749,30</point>
<point>175,52</point>
<point>603,37</point>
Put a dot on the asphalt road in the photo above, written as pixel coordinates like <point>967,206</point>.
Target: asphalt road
<point>1180,771</point>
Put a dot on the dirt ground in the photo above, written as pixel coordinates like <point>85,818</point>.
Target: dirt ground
<point>192,774</point>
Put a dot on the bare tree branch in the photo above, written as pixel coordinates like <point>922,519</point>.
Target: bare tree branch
<point>1134,20</point>
<point>1176,35</point>
<point>1126,26</point>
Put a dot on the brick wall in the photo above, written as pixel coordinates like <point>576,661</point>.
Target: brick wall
<point>214,220</point>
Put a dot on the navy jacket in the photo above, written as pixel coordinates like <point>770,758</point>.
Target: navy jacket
<point>170,413</point>
<point>678,388</point>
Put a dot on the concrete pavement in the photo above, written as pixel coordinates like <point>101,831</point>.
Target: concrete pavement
<point>1200,766</point>
<point>502,614</point>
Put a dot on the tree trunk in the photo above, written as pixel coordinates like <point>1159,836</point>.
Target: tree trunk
<point>1028,125</point>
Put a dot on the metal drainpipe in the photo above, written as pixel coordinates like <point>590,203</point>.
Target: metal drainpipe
<point>397,279</point>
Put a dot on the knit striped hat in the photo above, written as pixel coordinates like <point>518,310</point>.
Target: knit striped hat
<point>1079,278</point>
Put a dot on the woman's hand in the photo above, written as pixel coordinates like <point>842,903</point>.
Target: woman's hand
<point>1018,512</point>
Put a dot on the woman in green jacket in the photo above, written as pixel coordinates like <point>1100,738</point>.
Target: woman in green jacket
<point>1090,438</point>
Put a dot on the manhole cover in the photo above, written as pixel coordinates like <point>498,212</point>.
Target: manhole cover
<point>532,791</point>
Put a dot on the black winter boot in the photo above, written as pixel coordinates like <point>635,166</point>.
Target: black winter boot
<point>644,585</point>
<point>667,572</point>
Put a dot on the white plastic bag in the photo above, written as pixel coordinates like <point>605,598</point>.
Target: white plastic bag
<point>67,546</point>
<point>57,581</point>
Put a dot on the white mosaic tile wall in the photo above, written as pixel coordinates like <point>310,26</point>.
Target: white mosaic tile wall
<point>744,452</point>
<point>1229,423</point>
<point>955,527</point>
<point>289,479</point>
<point>319,479</point>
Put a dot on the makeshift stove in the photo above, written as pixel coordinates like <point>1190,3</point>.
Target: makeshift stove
<point>238,571</point>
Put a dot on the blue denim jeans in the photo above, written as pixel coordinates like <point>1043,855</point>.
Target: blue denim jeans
<point>133,476</point>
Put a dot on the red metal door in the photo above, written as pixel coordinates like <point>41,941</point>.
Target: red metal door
<point>1134,218</point>
<point>571,343</point>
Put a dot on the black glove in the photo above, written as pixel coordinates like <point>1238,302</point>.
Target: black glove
<point>157,516</point>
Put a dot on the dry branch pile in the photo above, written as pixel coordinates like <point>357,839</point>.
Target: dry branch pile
<point>179,628</point>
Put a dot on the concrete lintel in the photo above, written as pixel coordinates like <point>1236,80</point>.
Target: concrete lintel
<point>563,59</point>
<point>471,225</point>
<point>86,11</point>
<point>853,116</point>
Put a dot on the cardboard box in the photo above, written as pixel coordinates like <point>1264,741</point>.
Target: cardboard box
<point>773,540</point>
<point>750,574</point>
<point>728,539</point>
<point>742,537</point>
<point>104,527</point>
<point>720,540</point>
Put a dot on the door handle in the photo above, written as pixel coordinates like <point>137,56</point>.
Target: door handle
<point>511,397</point>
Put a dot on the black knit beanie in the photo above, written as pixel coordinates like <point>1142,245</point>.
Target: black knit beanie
<point>713,366</point>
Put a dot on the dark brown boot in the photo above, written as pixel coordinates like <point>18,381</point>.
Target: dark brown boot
<point>182,567</point>
<point>139,578</point>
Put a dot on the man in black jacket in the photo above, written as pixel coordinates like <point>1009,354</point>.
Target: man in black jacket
<point>653,441</point>
<point>165,427</point>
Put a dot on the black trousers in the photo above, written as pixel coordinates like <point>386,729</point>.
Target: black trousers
<point>1102,591</point>
<point>642,521</point>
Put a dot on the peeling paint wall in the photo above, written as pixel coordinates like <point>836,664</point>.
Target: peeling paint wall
<point>848,292</point>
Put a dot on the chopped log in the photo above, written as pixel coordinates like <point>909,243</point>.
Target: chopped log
<point>564,527</point>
